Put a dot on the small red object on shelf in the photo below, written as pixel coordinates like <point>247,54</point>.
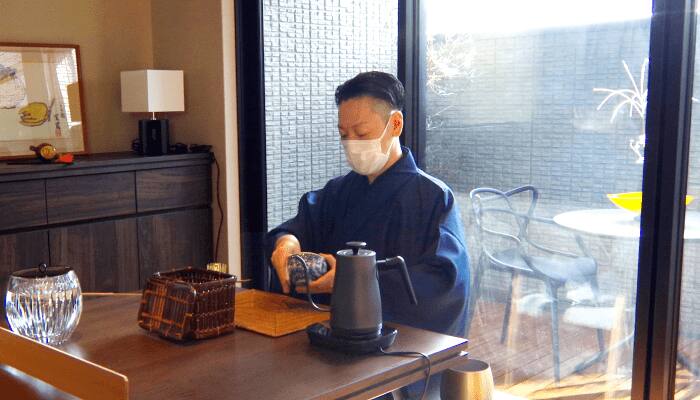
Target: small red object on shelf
<point>65,159</point>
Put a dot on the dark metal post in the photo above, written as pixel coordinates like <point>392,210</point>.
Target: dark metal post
<point>251,139</point>
<point>412,73</point>
<point>671,56</point>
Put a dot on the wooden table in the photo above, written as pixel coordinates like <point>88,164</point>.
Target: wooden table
<point>241,365</point>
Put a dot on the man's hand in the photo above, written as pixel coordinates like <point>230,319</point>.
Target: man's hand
<point>324,284</point>
<point>285,246</point>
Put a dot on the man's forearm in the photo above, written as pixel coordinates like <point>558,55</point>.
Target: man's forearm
<point>285,246</point>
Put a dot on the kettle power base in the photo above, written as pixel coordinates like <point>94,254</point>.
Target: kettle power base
<point>321,335</point>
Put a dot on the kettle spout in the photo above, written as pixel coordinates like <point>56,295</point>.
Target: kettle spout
<point>399,263</point>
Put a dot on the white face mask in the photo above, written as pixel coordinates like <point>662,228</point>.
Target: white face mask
<point>366,156</point>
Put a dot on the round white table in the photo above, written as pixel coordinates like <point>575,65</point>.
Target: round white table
<point>618,223</point>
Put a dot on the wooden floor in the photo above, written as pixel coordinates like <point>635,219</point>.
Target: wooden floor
<point>522,366</point>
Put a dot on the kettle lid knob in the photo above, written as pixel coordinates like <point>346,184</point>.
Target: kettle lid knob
<point>356,246</point>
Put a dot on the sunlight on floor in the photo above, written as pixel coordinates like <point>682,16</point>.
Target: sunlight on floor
<point>522,366</point>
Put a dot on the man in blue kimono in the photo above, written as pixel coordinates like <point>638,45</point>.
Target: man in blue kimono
<point>390,204</point>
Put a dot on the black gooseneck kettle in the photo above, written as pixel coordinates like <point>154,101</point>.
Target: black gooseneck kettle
<point>356,304</point>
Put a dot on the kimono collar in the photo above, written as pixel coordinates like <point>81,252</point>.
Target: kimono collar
<point>404,165</point>
<point>365,199</point>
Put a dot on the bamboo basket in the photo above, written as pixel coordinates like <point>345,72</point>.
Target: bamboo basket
<point>188,304</point>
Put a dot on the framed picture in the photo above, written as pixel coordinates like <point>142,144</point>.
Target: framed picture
<point>41,99</point>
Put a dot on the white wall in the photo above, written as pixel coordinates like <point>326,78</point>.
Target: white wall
<point>199,38</point>
<point>113,36</point>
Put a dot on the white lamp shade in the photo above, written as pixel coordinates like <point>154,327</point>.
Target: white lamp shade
<point>152,90</point>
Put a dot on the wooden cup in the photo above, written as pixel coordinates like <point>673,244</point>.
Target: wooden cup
<point>471,381</point>
<point>218,267</point>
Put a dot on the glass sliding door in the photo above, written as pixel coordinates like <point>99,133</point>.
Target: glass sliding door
<point>535,117</point>
<point>310,47</point>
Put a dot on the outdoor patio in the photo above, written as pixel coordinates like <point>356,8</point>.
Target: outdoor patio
<point>522,366</point>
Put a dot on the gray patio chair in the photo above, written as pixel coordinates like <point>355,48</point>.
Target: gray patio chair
<point>507,245</point>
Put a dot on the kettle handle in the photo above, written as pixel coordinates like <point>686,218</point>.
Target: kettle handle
<point>307,278</point>
<point>399,263</point>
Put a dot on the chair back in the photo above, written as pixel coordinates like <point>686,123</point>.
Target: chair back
<point>66,372</point>
<point>501,220</point>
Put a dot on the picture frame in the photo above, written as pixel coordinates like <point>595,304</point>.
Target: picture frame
<point>41,99</point>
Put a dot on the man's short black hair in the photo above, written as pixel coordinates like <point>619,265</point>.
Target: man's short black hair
<point>376,84</point>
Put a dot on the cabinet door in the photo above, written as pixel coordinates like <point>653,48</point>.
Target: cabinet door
<point>164,188</point>
<point>20,251</point>
<point>22,204</point>
<point>104,255</point>
<point>174,240</point>
<point>75,198</point>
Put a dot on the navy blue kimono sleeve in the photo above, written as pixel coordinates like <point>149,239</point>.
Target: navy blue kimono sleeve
<point>439,269</point>
<point>304,226</point>
<point>311,222</point>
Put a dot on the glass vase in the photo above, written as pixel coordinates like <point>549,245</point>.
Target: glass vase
<point>44,303</point>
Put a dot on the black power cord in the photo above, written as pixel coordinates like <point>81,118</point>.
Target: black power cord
<point>413,354</point>
<point>181,148</point>
<point>221,212</point>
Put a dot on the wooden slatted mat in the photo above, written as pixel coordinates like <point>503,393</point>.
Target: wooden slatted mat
<point>274,314</point>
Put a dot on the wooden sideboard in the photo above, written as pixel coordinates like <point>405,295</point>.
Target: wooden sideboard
<point>115,218</point>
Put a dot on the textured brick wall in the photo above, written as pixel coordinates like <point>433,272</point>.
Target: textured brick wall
<point>528,116</point>
<point>312,46</point>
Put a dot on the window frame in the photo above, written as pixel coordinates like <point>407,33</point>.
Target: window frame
<point>250,86</point>
<point>665,173</point>
<point>665,177</point>
<point>411,71</point>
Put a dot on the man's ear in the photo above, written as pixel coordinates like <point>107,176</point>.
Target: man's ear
<point>396,122</point>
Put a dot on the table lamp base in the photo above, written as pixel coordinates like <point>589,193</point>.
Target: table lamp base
<point>154,135</point>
